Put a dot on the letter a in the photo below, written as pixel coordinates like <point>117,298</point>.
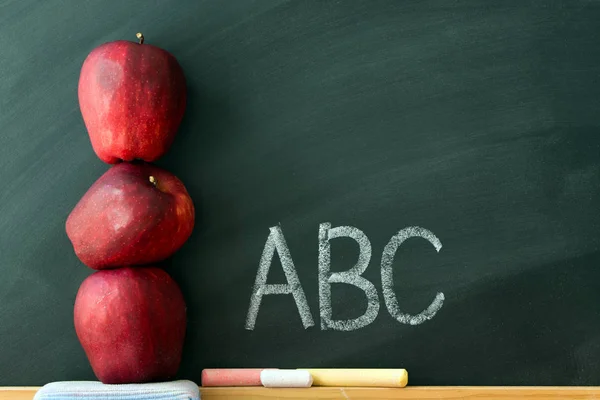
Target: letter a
<point>387,279</point>
<point>351,277</point>
<point>276,241</point>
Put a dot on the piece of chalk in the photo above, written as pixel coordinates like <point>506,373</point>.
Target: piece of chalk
<point>274,378</point>
<point>358,377</point>
<point>232,377</point>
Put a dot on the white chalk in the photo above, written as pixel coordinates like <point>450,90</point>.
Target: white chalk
<point>274,378</point>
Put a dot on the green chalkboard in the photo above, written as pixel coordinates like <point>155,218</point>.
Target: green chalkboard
<point>332,129</point>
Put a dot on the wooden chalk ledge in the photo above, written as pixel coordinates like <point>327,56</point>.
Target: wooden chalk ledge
<point>354,393</point>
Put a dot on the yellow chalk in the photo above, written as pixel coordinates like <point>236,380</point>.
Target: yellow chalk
<point>358,377</point>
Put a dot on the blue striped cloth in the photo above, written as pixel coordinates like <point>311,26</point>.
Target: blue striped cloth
<point>93,390</point>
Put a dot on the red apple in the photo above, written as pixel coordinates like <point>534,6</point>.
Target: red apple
<point>134,214</point>
<point>131,323</point>
<point>132,98</point>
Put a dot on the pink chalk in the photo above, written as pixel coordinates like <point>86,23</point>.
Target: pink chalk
<point>232,377</point>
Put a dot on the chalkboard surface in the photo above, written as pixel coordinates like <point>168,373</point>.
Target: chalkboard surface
<point>474,125</point>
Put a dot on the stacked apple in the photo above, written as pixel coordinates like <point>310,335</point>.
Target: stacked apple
<point>130,315</point>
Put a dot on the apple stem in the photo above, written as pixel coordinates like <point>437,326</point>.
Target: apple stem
<point>140,37</point>
<point>152,180</point>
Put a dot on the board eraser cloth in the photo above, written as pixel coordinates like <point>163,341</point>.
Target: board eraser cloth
<point>93,390</point>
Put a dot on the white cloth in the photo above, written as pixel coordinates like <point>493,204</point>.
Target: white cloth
<point>93,390</point>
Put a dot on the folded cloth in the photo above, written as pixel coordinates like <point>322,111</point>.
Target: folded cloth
<point>93,390</point>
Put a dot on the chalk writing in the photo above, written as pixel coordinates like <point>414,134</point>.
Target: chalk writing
<point>353,276</point>
<point>387,280</point>
<point>276,241</point>
<point>350,277</point>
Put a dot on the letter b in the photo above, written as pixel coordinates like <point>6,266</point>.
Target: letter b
<point>351,277</point>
